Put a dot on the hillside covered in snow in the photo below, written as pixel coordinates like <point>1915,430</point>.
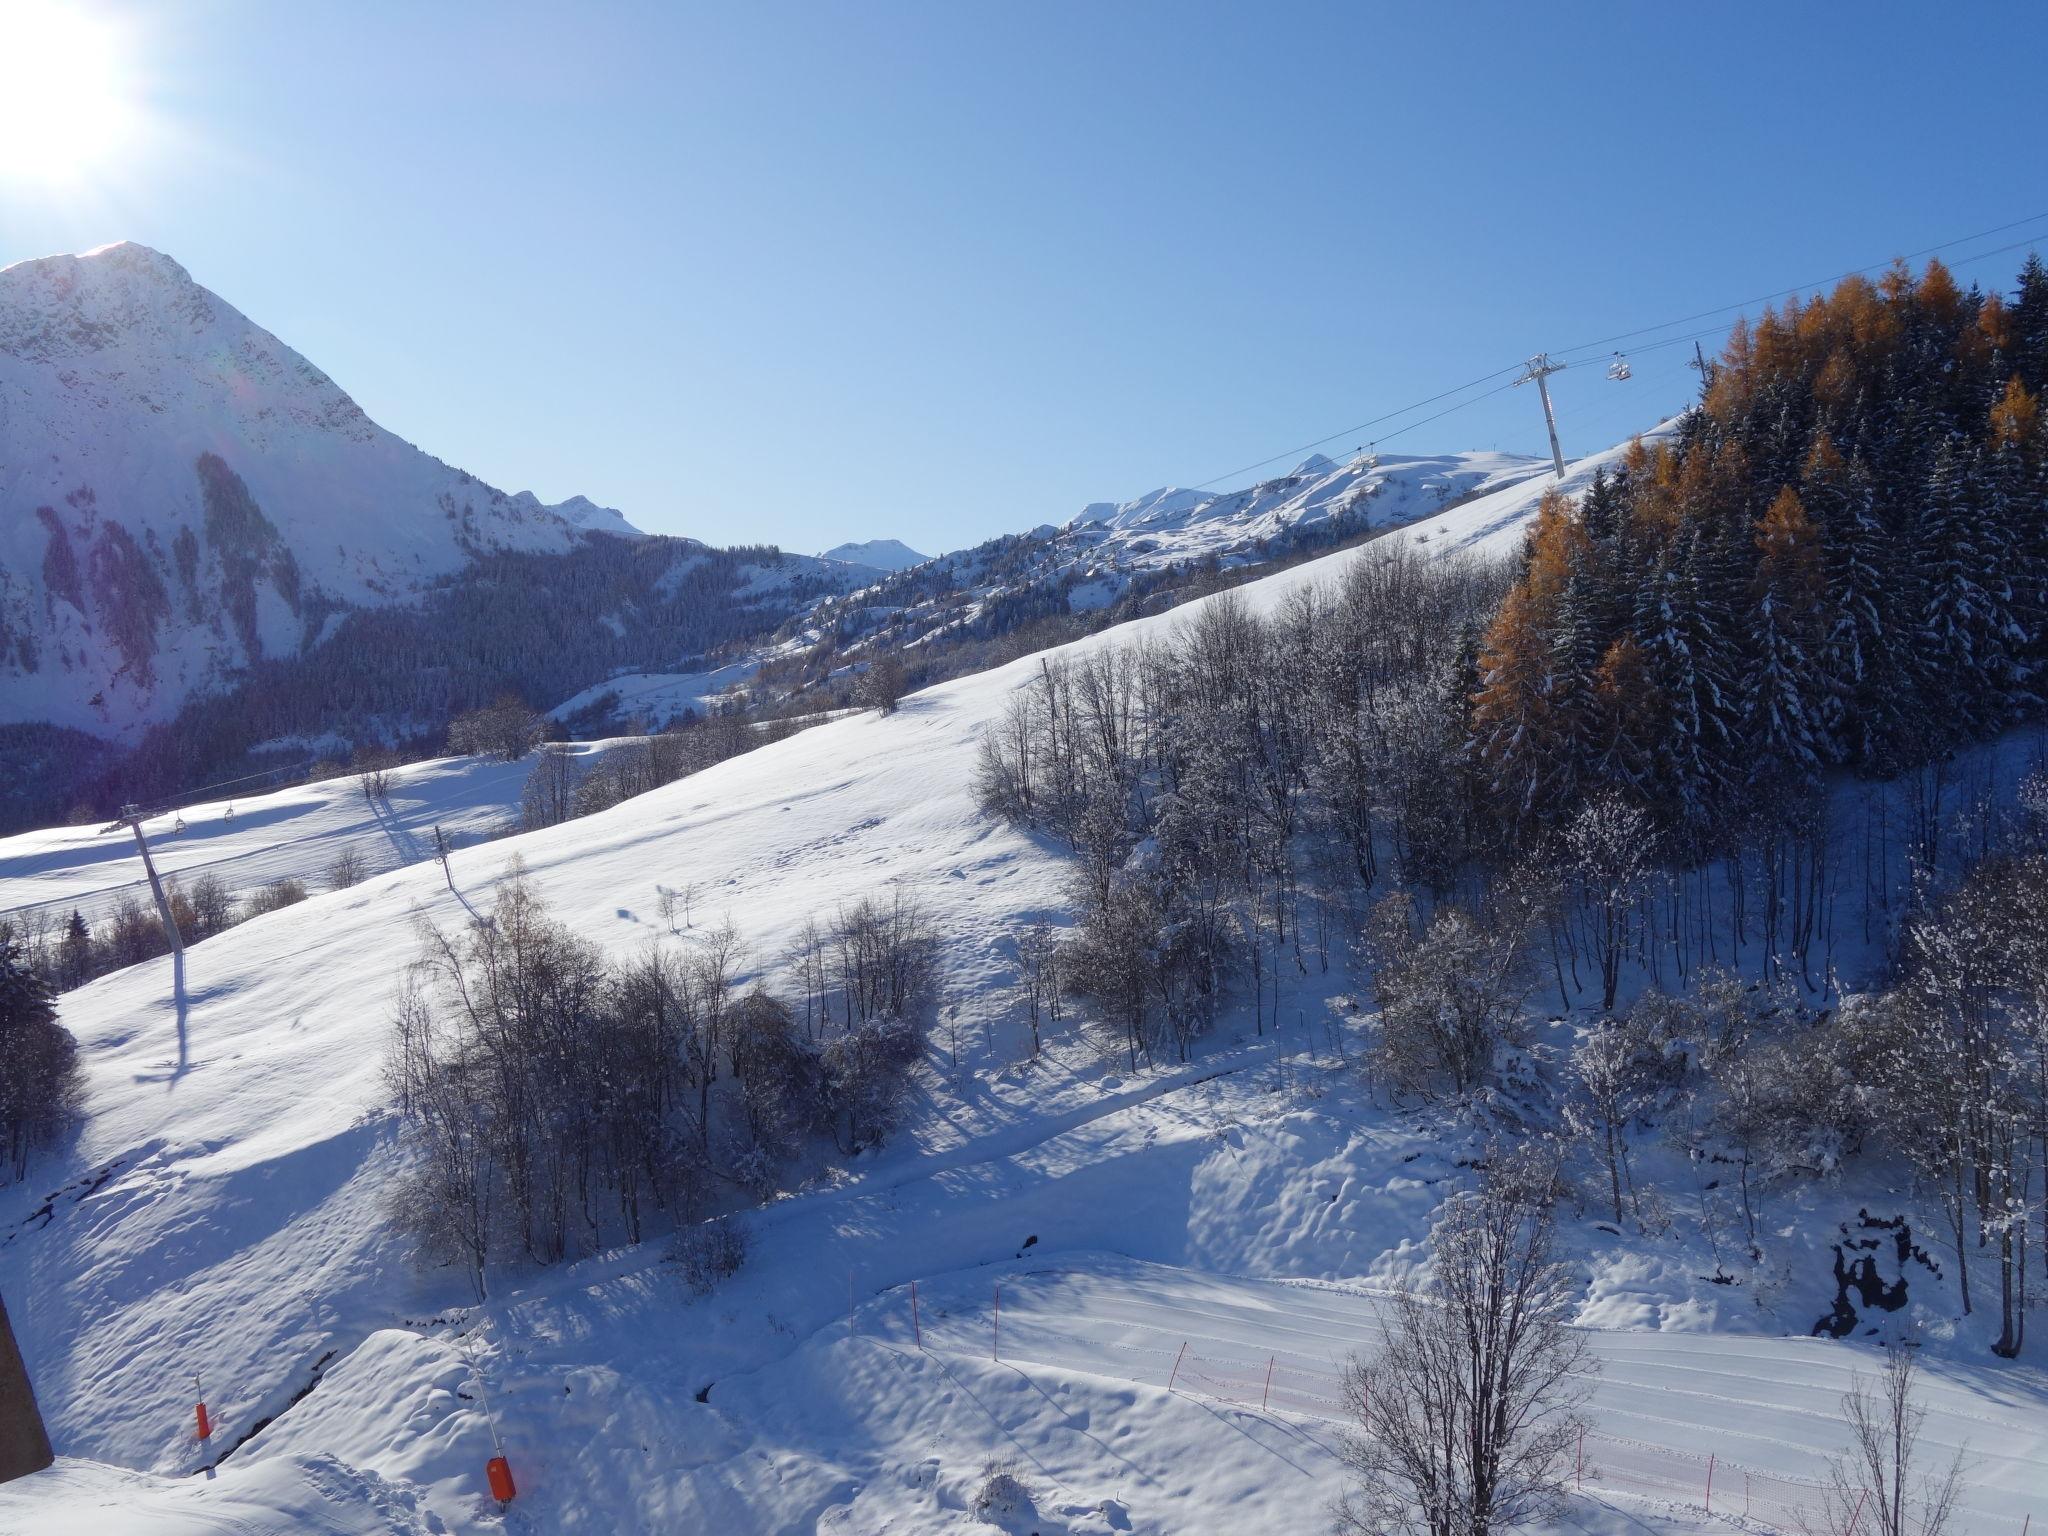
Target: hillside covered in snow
<point>944,616</point>
<point>1133,1286</point>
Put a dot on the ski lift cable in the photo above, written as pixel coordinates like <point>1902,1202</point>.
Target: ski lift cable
<point>1565,353</point>
<point>1320,442</point>
<point>179,802</point>
<point>1448,410</point>
<point>1782,293</point>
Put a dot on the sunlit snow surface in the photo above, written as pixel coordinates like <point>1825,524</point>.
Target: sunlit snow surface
<point>219,1215</point>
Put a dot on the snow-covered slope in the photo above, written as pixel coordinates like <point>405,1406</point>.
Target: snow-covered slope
<point>294,833</point>
<point>877,554</point>
<point>220,1214</point>
<point>181,492</point>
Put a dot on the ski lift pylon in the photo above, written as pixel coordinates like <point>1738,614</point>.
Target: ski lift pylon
<point>1618,369</point>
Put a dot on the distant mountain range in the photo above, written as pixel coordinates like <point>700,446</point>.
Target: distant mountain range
<point>209,553</point>
<point>1115,552</point>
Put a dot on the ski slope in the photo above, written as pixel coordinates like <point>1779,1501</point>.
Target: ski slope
<point>294,833</point>
<point>219,1216</point>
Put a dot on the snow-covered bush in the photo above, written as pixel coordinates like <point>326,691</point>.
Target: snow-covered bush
<point>864,1079</point>
<point>555,1101</point>
<point>710,1252</point>
<point>1003,1495</point>
<point>1450,995</point>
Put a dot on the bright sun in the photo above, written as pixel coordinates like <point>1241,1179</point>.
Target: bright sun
<point>67,106</point>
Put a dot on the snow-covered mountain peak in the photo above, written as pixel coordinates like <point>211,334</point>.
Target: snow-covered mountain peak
<point>582,512</point>
<point>72,306</point>
<point>182,494</point>
<point>877,554</point>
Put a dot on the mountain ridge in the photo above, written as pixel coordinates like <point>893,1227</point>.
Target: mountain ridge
<point>183,495</point>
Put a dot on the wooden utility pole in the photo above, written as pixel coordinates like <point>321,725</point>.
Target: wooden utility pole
<point>1540,369</point>
<point>131,818</point>
<point>24,1443</point>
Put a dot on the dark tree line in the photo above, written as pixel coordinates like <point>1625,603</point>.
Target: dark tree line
<point>1840,560</point>
<point>41,1086</point>
<point>556,1100</point>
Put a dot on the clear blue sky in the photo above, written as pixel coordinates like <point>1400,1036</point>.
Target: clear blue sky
<point>808,272</point>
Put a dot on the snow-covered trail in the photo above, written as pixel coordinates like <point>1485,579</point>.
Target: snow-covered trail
<point>1764,1411</point>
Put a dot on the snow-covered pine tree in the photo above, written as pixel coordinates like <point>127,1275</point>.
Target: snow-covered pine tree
<point>1964,642</point>
<point>2027,324</point>
<point>40,1083</point>
<point>1857,666</point>
<point>1782,694</point>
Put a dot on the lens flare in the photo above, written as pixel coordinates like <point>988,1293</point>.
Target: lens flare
<point>67,107</point>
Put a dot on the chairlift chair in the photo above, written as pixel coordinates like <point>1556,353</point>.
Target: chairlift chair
<point>1618,369</point>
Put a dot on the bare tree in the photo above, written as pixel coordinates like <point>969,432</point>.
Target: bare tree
<point>443,846</point>
<point>373,775</point>
<point>1468,1414</point>
<point>549,796</point>
<point>1039,955</point>
<point>506,729</point>
<point>346,870</point>
<point>1881,1485</point>
<point>1614,1083</point>
<point>1610,848</point>
<point>212,907</point>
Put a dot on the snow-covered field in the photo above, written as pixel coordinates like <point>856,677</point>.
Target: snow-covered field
<point>292,833</point>
<point>219,1216</point>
